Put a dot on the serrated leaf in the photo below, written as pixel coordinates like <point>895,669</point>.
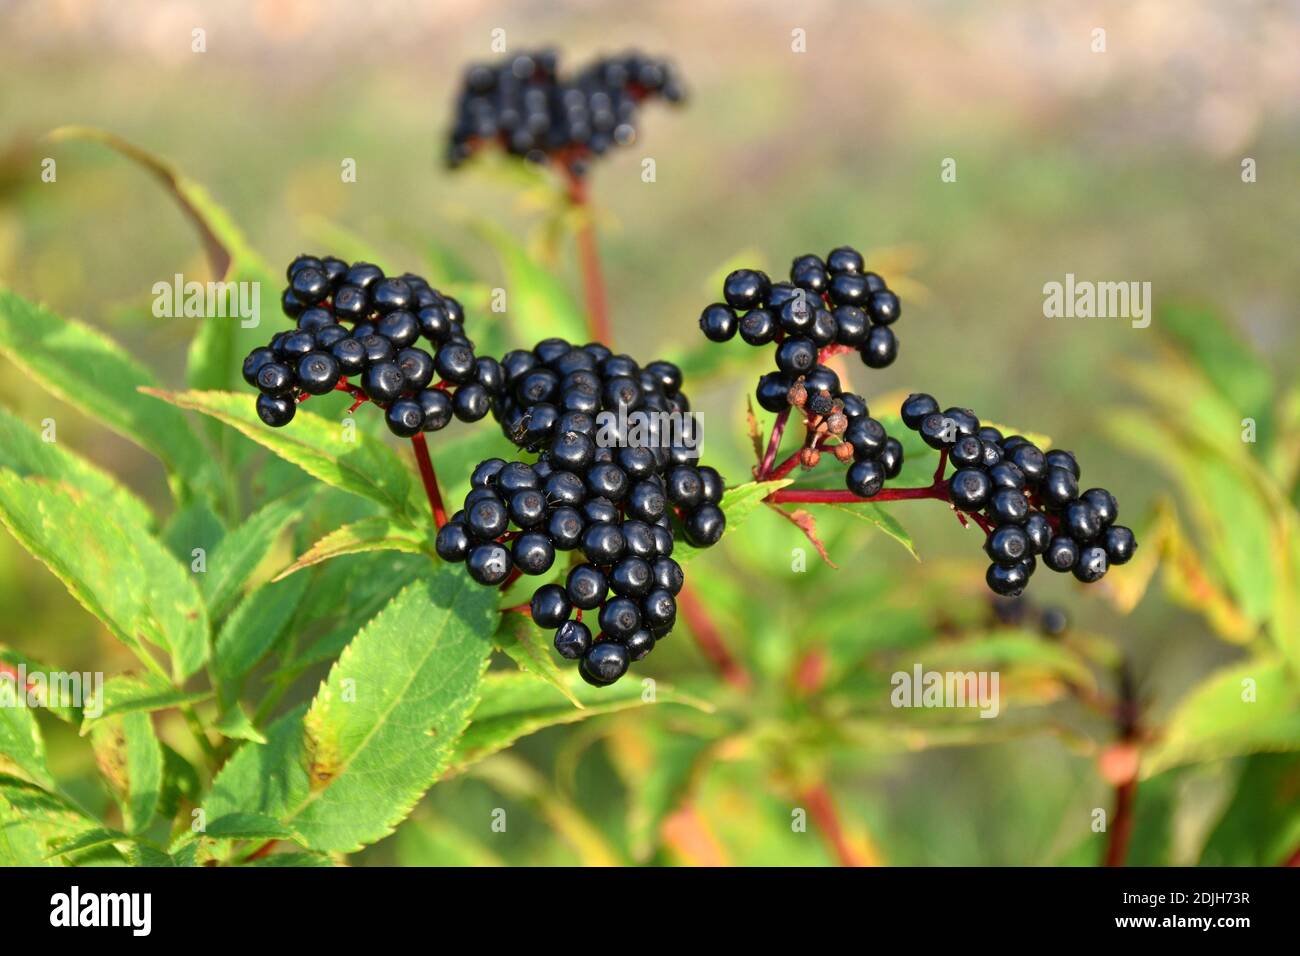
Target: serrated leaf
<point>806,523</point>
<point>45,346</point>
<point>235,723</point>
<point>364,466</point>
<point>193,524</point>
<point>884,521</point>
<point>531,648</point>
<point>516,704</point>
<point>378,533</point>
<point>20,841</point>
<point>247,826</point>
<point>243,549</point>
<point>538,304</point>
<point>254,628</point>
<point>65,706</point>
<point>1218,720</point>
<point>382,727</point>
<point>88,840</point>
<point>135,693</point>
<point>22,749</point>
<point>737,504</point>
<point>131,760</point>
<point>86,545</point>
<point>25,452</point>
<point>26,809</point>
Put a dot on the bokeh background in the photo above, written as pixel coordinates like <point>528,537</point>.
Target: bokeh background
<point>1115,166</point>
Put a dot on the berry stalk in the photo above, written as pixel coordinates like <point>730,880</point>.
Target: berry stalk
<point>430,479</point>
<point>593,279</point>
<point>773,444</point>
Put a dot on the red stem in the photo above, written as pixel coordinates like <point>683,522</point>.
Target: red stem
<point>593,281</point>
<point>709,639</point>
<point>1293,859</point>
<point>821,807</point>
<point>430,479</point>
<point>773,444</point>
<point>818,496</point>
<point>1121,829</point>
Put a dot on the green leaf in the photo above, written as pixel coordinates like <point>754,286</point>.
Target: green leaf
<point>1218,720</point>
<point>135,693</point>
<point>64,705</point>
<point>737,504</point>
<point>883,520</point>
<point>530,647</point>
<point>378,533</point>
<point>243,549</point>
<point>256,626</point>
<point>88,840</point>
<point>382,727</point>
<point>1261,824</point>
<point>44,346</point>
<point>1234,369</point>
<point>237,725</point>
<point>20,841</point>
<point>248,826</point>
<point>538,304</point>
<point>22,750</point>
<point>193,524</point>
<point>515,704</point>
<point>291,859</point>
<point>365,466</point>
<point>131,760</point>
<point>87,545</point>
<point>25,452</point>
<point>26,811</point>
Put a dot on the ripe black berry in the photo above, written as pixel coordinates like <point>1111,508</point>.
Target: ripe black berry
<point>1061,553</point>
<point>405,417</point>
<point>533,553</point>
<point>1119,543</point>
<point>1008,580</point>
<point>865,478</point>
<point>586,587</point>
<point>453,541</point>
<point>704,526</point>
<point>605,663</point>
<point>718,322</point>
<point>488,564</point>
<point>318,373</point>
<point>970,488</point>
<point>275,411</point>
<point>573,639</point>
<point>383,382</point>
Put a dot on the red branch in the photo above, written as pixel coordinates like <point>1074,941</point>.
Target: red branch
<point>821,807</point>
<point>593,281</point>
<point>429,478</point>
<point>1121,829</point>
<point>709,639</point>
<point>773,444</point>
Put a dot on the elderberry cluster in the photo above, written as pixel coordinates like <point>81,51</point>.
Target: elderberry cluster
<point>831,304</point>
<point>610,485</point>
<point>840,421</point>
<point>524,106</point>
<point>1030,498</point>
<point>359,329</point>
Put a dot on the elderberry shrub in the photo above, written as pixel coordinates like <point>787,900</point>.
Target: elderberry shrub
<point>1029,499</point>
<point>829,304</point>
<point>525,107</point>
<point>359,329</point>
<point>613,484</point>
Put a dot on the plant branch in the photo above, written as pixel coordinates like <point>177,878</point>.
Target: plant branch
<point>773,444</point>
<point>430,479</point>
<point>709,639</point>
<point>1120,831</point>
<point>821,806</point>
<point>593,280</point>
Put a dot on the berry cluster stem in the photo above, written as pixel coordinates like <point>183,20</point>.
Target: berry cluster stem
<point>593,280</point>
<point>430,479</point>
<point>773,445</point>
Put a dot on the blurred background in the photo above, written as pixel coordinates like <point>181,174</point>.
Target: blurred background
<point>1122,164</point>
